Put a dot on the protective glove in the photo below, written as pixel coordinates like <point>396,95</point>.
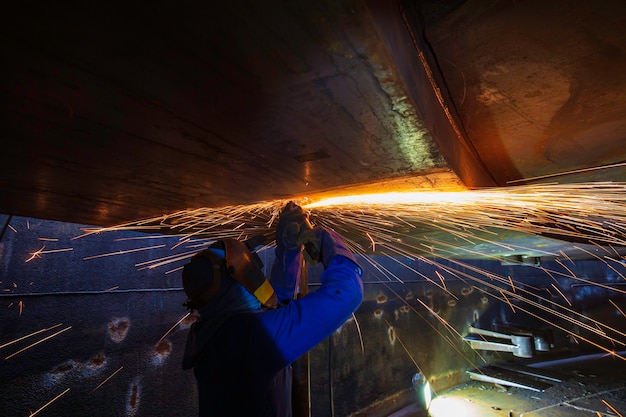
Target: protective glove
<point>326,243</point>
<point>287,267</point>
<point>291,222</point>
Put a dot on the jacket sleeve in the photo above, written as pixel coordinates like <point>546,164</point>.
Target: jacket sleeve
<point>286,272</point>
<point>305,322</point>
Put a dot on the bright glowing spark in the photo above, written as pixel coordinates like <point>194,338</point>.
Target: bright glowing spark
<point>173,327</point>
<point>358,329</point>
<point>29,335</point>
<point>123,252</point>
<point>390,327</point>
<point>107,379</point>
<point>392,224</point>
<point>49,402</point>
<point>371,240</point>
<point>507,300</point>
<point>612,408</point>
<point>38,342</point>
<point>560,174</point>
<point>617,307</point>
<point>512,285</point>
<point>396,198</point>
<point>562,295</point>
<point>39,252</point>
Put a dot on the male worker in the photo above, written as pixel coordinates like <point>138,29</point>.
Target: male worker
<point>241,353</point>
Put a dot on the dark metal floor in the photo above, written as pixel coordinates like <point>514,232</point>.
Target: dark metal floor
<point>595,385</point>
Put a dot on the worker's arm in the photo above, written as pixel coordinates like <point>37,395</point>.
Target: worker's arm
<point>287,266</point>
<point>303,323</point>
<point>285,274</point>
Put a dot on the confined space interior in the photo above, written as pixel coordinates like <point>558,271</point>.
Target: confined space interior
<point>134,135</point>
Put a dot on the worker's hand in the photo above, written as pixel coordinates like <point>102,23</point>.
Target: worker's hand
<point>322,245</point>
<point>292,221</point>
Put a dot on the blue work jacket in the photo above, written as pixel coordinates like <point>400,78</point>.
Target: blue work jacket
<point>242,367</point>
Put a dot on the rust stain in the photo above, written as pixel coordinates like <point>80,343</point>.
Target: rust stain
<point>467,291</point>
<point>118,329</point>
<point>134,396</point>
<point>381,299</point>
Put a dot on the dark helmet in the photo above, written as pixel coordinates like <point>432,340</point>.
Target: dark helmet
<point>202,279</point>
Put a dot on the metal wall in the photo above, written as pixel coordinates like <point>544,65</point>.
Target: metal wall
<point>109,316</point>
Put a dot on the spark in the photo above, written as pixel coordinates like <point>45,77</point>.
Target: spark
<point>512,285</point>
<point>123,252</point>
<point>616,306</point>
<point>576,171</point>
<point>39,252</point>
<point>38,342</point>
<point>107,379</point>
<point>507,300</point>
<point>173,327</point>
<point>29,335</point>
<point>358,329</point>
<point>443,283</point>
<point>612,408</point>
<point>371,240</point>
<point>404,347</point>
<point>49,402</point>
<point>410,225</point>
<point>561,293</point>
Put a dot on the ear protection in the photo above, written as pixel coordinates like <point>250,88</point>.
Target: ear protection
<point>241,264</point>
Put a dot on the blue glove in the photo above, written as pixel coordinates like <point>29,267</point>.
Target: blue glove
<point>327,244</point>
<point>291,222</point>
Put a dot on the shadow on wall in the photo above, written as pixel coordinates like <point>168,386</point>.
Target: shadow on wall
<point>87,328</point>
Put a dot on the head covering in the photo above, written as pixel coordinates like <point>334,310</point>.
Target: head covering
<point>216,296</point>
<point>210,288</point>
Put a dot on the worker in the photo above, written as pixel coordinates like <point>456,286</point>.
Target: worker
<point>245,339</point>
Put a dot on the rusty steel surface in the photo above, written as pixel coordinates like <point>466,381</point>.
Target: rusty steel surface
<point>111,114</point>
<point>540,87</point>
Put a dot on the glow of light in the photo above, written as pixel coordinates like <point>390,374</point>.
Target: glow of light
<point>39,252</point>
<point>453,406</point>
<point>427,394</point>
<point>391,223</point>
<point>391,198</point>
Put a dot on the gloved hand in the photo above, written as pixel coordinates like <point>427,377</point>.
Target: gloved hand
<point>327,244</point>
<point>291,222</point>
<point>286,270</point>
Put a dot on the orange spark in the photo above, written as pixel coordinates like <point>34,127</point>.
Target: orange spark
<point>107,379</point>
<point>173,327</point>
<point>562,295</point>
<point>612,408</point>
<point>38,342</point>
<point>29,335</point>
<point>49,402</point>
<point>122,252</point>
